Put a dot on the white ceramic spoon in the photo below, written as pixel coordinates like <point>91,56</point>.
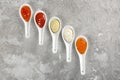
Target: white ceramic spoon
<point>54,35</point>
<point>40,28</point>
<point>68,35</point>
<point>82,56</point>
<point>27,24</point>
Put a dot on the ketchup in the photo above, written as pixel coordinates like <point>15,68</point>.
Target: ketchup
<point>26,13</point>
<point>40,19</point>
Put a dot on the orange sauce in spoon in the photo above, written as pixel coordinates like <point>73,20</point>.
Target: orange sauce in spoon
<point>81,45</point>
<point>26,13</point>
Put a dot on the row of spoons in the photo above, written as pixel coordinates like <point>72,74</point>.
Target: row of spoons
<point>68,33</point>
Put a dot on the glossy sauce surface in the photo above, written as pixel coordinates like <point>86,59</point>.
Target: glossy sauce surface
<point>40,19</point>
<point>81,45</point>
<point>55,25</point>
<point>68,34</point>
<point>26,13</point>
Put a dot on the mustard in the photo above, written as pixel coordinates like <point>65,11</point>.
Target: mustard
<point>55,25</point>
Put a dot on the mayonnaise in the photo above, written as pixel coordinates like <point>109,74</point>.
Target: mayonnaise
<point>68,34</point>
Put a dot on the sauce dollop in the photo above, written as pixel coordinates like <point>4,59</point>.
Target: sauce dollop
<point>68,34</point>
<point>55,25</point>
<point>26,13</point>
<point>81,45</point>
<point>40,19</point>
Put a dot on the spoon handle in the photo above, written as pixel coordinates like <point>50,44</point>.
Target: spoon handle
<point>82,64</point>
<point>68,52</point>
<point>54,44</point>
<point>27,29</point>
<point>41,36</point>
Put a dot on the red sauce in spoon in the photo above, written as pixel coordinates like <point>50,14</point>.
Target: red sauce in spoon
<point>40,19</point>
<point>26,13</point>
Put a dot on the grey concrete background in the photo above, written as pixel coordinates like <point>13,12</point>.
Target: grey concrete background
<point>24,59</point>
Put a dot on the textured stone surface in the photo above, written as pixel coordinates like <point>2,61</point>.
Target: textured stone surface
<point>24,59</point>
